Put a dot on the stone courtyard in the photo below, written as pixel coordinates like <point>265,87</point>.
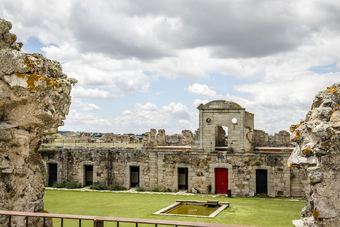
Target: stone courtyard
<point>226,155</point>
<point>222,157</point>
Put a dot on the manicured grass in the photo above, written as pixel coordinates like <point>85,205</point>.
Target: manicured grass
<point>271,212</point>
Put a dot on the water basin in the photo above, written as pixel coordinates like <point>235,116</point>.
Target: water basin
<point>194,208</point>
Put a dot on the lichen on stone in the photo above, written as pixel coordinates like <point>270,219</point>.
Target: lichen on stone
<point>332,90</point>
<point>34,100</point>
<point>317,149</point>
<point>32,80</point>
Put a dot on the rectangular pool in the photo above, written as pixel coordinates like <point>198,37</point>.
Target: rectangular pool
<point>194,208</point>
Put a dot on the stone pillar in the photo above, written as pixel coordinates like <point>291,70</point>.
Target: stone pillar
<point>153,169</point>
<point>149,139</point>
<point>34,99</point>
<point>161,141</point>
<point>187,137</point>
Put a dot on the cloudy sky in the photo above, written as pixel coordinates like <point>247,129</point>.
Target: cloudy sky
<point>148,64</point>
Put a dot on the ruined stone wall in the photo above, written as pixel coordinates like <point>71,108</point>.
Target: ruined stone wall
<point>231,116</point>
<point>241,170</point>
<point>121,167</point>
<point>317,149</point>
<point>114,138</point>
<point>106,163</point>
<point>149,139</point>
<point>245,170</point>
<point>211,120</point>
<point>159,138</point>
<point>298,182</point>
<point>280,139</point>
<point>34,99</point>
<point>159,168</point>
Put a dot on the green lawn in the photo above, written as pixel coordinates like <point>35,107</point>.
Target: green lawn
<point>271,212</point>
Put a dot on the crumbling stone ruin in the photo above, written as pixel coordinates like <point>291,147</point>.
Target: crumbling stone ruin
<point>34,99</point>
<point>160,137</point>
<point>124,139</point>
<point>317,149</point>
<point>150,138</point>
<point>224,160</point>
<point>185,138</point>
<point>153,138</point>
<point>280,139</point>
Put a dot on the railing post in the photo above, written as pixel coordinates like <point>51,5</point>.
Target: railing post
<point>9,220</point>
<point>26,221</point>
<point>98,223</point>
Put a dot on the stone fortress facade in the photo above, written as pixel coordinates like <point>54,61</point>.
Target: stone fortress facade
<point>225,156</point>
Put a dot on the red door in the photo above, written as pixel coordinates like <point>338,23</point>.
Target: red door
<point>221,181</point>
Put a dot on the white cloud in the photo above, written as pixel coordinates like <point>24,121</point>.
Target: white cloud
<point>202,89</point>
<point>81,121</point>
<point>172,117</point>
<point>197,102</point>
<point>89,107</point>
<point>117,49</point>
<point>282,102</point>
<point>81,92</point>
<point>98,75</point>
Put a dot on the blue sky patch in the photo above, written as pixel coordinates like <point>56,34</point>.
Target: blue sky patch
<point>33,45</point>
<point>322,69</point>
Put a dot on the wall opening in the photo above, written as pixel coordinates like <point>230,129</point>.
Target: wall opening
<point>261,182</point>
<point>182,178</point>
<point>52,173</point>
<point>88,175</point>
<point>134,176</point>
<point>221,137</point>
<point>221,181</point>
